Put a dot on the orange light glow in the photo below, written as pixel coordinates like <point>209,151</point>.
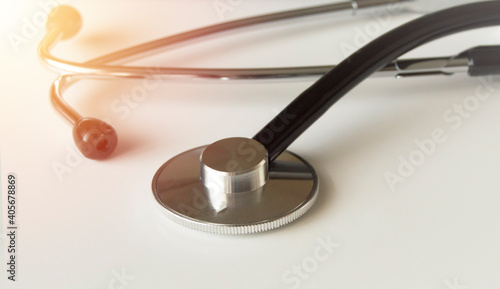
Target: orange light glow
<point>11,13</point>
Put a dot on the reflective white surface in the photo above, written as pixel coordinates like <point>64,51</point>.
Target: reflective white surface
<point>85,224</point>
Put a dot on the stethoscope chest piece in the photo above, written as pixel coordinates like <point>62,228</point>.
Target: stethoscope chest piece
<point>229,187</point>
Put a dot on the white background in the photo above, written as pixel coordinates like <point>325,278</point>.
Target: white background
<point>83,228</point>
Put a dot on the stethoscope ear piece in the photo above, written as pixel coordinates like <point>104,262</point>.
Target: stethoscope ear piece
<point>65,19</point>
<point>94,138</point>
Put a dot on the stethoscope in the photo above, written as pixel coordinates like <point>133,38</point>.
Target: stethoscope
<point>246,185</point>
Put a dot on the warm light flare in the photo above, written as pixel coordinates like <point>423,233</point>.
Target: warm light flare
<point>22,23</point>
<point>11,13</point>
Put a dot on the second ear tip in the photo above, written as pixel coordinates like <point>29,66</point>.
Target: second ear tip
<point>66,19</point>
<point>95,138</point>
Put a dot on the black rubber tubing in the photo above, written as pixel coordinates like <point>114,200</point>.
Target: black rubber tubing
<point>302,112</point>
<point>484,60</point>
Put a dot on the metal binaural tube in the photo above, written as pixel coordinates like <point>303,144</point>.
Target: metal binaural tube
<point>100,68</point>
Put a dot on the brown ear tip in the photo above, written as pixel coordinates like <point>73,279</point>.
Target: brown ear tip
<point>95,138</point>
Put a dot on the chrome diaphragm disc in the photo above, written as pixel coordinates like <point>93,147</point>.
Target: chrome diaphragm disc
<point>290,191</point>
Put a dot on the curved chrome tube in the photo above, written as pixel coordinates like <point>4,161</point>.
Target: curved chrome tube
<point>111,65</point>
<point>397,69</point>
<point>100,68</point>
